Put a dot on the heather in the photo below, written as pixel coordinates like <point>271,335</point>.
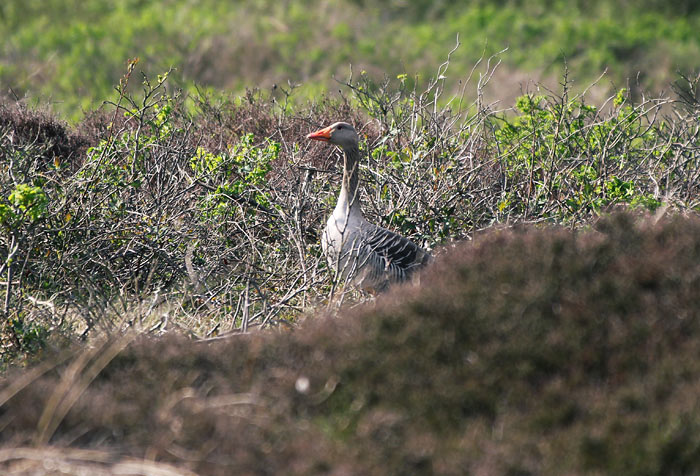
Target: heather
<point>534,350</point>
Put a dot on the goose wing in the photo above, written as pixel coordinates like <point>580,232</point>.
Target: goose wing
<point>390,255</point>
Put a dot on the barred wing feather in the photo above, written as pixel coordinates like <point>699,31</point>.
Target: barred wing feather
<point>389,256</point>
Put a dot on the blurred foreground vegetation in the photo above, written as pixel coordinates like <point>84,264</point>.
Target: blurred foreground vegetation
<point>527,351</point>
<point>69,54</point>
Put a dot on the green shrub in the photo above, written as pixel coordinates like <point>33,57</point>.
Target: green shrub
<point>566,149</point>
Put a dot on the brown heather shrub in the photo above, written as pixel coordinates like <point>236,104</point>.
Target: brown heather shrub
<point>29,128</point>
<point>534,350</point>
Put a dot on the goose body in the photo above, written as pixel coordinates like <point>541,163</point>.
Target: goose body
<point>364,254</point>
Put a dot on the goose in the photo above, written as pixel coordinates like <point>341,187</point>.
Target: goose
<point>363,254</point>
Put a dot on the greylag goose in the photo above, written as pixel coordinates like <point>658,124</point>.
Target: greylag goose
<point>362,253</point>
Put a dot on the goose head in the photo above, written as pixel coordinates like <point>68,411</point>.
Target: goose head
<point>341,134</point>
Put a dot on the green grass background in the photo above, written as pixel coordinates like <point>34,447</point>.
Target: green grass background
<point>71,53</point>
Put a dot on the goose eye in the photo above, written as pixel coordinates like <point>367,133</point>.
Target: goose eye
<point>339,127</point>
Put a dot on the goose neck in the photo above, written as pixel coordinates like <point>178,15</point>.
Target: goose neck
<point>349,193</point>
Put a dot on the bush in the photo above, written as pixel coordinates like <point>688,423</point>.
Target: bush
<point>164,211</point>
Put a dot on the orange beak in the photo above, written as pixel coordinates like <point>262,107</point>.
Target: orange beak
<point>322,135</point>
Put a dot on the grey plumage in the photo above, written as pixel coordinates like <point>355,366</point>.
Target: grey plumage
<point>364,254</point>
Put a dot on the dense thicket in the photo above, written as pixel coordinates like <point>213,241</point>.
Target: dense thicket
<point>529,351</point>
<point>164,212</point>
